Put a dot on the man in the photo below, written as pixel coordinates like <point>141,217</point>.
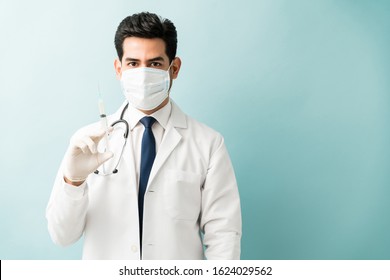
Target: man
<point>169,192</point>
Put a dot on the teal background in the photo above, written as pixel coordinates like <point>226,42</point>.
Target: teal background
<point>299,89</point>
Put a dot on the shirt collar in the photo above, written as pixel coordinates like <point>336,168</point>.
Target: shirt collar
<point>162,115</point>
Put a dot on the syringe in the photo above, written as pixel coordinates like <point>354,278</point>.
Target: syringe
<point>103,119</point>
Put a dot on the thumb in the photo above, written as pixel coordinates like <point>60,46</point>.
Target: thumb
<point>103,157</point>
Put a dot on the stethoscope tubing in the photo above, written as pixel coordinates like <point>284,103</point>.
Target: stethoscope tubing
<point>125,135</point>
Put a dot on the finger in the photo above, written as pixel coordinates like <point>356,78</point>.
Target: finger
<point>103,157</point>
<point>91,145</point>
<point>97,135</point>
<point>80,144</point>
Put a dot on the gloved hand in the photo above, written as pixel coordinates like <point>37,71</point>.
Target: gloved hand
<point>82,157</point>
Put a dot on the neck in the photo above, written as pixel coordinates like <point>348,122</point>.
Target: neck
<point>149,112</point>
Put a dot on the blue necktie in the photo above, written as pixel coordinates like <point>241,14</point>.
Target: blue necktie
<point>148,153</point>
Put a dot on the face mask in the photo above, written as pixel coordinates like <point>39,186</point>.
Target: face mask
<point>145,88</point>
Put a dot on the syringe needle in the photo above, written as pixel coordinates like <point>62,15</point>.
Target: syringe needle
<point>103,118</point>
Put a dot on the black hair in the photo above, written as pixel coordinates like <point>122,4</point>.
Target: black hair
<point>147,25</point>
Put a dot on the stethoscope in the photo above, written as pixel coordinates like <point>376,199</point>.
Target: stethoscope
<point>125,135</point>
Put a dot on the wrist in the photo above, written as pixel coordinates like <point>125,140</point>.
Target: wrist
<point>73,183</point>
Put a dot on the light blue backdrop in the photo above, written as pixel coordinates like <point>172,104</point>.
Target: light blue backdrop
<point>299,89</point>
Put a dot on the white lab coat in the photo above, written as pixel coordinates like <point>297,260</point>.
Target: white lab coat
<point>191,200</point>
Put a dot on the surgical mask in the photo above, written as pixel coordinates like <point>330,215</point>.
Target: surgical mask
<point>145,88</point>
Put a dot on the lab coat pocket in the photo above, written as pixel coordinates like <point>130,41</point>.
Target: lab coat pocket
<point>182,197</point>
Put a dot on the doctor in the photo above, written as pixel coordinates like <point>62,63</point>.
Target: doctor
<point>173,194</point>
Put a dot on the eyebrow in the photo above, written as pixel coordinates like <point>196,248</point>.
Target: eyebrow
<point>158,58</point>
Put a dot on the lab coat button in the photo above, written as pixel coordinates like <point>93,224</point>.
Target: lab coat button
<point>134,248</point>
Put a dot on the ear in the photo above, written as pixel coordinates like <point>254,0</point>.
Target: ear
<point>118,68</point>
<point>175,68</point>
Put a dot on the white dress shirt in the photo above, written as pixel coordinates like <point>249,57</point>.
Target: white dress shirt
<point>133,116</point>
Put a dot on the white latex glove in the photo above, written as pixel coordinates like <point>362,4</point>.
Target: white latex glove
<point>82,157</point>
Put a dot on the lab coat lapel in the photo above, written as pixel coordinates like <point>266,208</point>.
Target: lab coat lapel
<point>128,169</point>
<point>170,141</point>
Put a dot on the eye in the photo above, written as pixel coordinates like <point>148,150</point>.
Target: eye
<point>156,64</point>
<point>132,64</point>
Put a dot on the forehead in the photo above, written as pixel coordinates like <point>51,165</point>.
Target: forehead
<point>143,48</point>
